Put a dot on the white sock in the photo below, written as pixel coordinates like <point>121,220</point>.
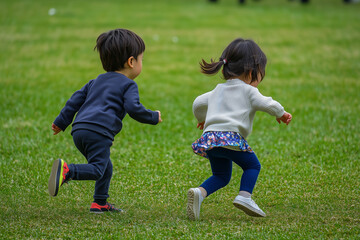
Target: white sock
<point>245,194</point>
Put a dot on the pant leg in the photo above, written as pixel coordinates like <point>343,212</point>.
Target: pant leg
<point>103,184</point>
<point>96,149</point>
<point>251,167</point>
<point>221,164</point>
<point>221,167</point>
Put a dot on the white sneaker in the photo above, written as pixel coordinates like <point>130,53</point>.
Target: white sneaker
<point>248,206</point>
<point>194,203</point>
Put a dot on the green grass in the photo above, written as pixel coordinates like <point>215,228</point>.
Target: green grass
<point>309,183</point>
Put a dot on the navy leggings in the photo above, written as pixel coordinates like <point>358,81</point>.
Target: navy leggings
<point>96,149</point>
<point>221,165</point>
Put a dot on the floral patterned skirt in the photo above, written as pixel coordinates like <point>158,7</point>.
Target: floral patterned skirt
<point>231,140</point>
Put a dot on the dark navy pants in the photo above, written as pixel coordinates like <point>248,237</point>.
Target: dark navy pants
<point>221,165</point>
<point>96,149</point>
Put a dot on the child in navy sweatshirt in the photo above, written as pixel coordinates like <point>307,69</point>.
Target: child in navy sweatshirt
<point>101,105</point>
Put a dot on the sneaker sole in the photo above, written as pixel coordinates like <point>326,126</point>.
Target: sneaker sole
<point>248,209</point>
<point>96,212</point>
<point>53,186</point>
<point>192,208</point>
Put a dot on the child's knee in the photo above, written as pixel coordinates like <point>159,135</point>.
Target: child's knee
<point>98,174</point>
<point>254,163</point>
<point>225,180</point>
<point>258,166</point>
<point>100,171</point>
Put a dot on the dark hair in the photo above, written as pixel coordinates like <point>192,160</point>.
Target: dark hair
<point>117,46</point>
<point>241,56</point>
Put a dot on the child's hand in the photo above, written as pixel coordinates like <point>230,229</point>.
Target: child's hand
<point>55,128</point>
<point>160,120</point>
<point>200,125</point>
<point>286,118</point>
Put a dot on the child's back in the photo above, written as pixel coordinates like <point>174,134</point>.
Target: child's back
<point>100,107</point>
<point>226,115</point>
<point>231,106</point>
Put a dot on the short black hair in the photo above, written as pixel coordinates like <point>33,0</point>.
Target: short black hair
<point>117,46</point>
<point>241,56</point>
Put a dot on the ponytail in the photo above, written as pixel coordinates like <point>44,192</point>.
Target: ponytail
<point>212,67</point>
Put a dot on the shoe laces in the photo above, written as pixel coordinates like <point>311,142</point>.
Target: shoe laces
<point>111,206</point>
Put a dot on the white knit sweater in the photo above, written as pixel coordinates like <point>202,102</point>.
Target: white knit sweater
<point>231,106</point>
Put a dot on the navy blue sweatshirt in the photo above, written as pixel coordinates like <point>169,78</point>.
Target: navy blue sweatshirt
<point>102,104</point>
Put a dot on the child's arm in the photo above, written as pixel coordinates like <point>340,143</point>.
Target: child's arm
<point>136,110</point>
<point>286,118</point>
<point>71,107</point>
<point>265,104</point>
<point>200,106</point>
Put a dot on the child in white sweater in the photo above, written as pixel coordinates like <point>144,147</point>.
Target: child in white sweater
<point>226,115</point>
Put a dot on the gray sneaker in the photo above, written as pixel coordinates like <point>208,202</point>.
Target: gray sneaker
<point>193,204</point>
<point>248,206</point>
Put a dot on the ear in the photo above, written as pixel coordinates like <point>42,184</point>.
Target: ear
<point>249,75</point>
<point>130,62</point>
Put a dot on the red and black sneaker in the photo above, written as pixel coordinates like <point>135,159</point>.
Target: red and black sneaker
<point>96,208</point>
<point>58,176</point>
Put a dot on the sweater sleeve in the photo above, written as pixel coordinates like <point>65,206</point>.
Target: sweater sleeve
<point>71,107</point>
<point>200,107</point>
<point>135,109</point>
<point>265,104</point>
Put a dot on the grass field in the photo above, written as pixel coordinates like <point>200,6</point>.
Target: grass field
<point>309,184</point>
